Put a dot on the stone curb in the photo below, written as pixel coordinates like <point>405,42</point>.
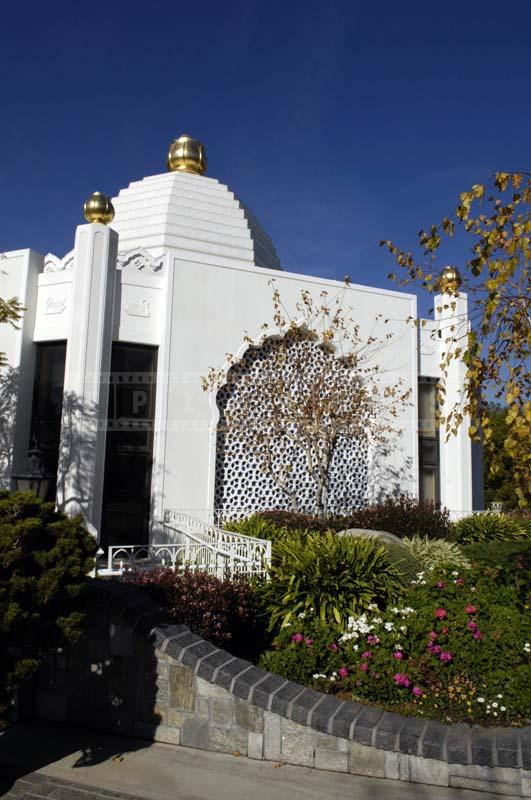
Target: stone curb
<point>457,744</point>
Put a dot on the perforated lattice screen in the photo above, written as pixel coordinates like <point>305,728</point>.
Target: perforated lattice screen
<point>242,483</point>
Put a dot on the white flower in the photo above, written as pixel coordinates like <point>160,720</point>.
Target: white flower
<point>398,647</point>
<point>495,713</point>
<point>499,696</point>
<point>389,626</point>
<point>472,588</point>
<point>302,615</point>
<point>502,708</point>
<point>377,620</point>
<point>319,675</point>
<point>527,647</point>
<point>355,647</point>
<point>403,628</point>
<point>481,699</point>
<point>372,607</point>
<point>455,573</point>
<point>495,704</point>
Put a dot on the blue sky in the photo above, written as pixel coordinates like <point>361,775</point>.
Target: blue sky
<point>338,123</point>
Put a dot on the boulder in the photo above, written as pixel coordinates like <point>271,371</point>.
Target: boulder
<point>388,538</point>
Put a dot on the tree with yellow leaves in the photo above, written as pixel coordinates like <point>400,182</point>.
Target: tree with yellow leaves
<point>496,348</point>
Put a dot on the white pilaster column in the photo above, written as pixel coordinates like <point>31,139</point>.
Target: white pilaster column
<point>88,362</point>
<point>451,312</point>
<point>19,271</point>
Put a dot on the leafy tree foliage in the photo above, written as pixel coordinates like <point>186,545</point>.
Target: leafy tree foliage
<point>498,474</point>
<point>496,349</point>
<point>44,559</point>
<point>10,313</point>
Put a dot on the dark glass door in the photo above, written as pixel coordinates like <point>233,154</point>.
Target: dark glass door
<point>129,447</point>
<point>45,431</point>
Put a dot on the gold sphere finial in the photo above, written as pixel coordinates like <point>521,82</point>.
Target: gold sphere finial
<point>448,280</point>
<point>98,208</point>
<point>187,155</point>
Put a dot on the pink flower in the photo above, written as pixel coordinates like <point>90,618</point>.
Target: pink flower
<point>445,631</point>
<point>470,609</point>
<point>367,654</point>
<point>436,649</point>
<point>401,680</point>
<point>459,581</point>
<point>441,585</point>
<point>372,639</point>
<point>432,635</point>
<point>472,625</point>
<point>398,655</point>
<point>309,642</point>
<point>417,692</point>
<point>440,613</point>
<point>297,637</point>
<point>446,656</point>
<point>364,666</point>
<point>478,635</point>
<point>334,647</point>
<point>342,672</point>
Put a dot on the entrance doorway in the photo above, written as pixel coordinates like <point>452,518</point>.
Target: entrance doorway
<point>129,445</point>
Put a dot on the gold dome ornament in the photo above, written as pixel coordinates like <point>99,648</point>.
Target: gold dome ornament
<point>187,155</point>
<point>98,208</point>
<point>449,280</point>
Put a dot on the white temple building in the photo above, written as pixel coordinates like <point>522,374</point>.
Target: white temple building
<point>104,375</point>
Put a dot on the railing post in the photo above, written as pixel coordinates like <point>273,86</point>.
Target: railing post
<point>109,558</point>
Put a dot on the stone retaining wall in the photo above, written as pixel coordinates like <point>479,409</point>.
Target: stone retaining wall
<point>137,674</point>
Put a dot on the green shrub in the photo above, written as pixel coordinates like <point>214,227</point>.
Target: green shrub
<point>405,562</point>
<point>457,648</point>
<point>511,559</point>
<point>489,527</point>
<point>329,575</point>
<point>222,611</point>
<point>432,553</point>
<point>44,559</point>
<point>293,520</point>
<point>403,516</point>
<point>259,526</point>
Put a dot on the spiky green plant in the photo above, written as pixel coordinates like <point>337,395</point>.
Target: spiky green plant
<point>432,553</point>
<point>329,576</point>
<point>490,527</point>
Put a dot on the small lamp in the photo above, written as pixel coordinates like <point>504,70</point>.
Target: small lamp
<point>33,479</point>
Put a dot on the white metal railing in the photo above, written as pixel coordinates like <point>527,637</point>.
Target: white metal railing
<point>195,545</point>
<point>246,554</point>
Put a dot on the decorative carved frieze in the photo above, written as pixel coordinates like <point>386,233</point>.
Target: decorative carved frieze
<point>140,259</point>
<point>53,263</point>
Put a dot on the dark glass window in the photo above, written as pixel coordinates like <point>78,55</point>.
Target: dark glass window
<point>129,445</point>
<point>45,431</point>
<point>429,462</point>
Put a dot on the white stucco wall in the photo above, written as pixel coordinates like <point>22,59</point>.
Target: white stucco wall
<point>19,271</point>
<point>211,308</point>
